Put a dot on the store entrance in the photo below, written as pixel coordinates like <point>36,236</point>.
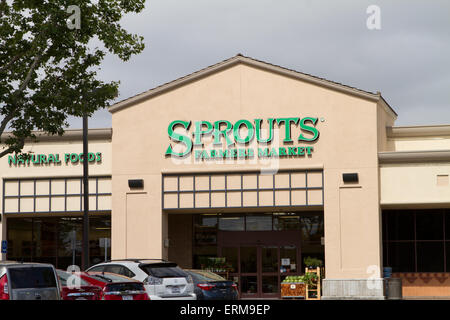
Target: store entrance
<point>256,250</point>
<point>258,261</point>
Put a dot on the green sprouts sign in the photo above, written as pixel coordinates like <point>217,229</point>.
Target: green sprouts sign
<point>233,140</point>
<point>53,158</point>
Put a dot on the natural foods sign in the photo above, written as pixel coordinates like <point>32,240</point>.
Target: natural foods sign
<point>53,158</point>
<point>233,140</point>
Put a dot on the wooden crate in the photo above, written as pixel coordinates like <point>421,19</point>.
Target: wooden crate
<point>293,290</point>
<point>316,289</point>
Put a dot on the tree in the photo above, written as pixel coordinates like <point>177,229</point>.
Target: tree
<point>48,67</point>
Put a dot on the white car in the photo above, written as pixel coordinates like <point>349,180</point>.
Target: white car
<point>162,279</point>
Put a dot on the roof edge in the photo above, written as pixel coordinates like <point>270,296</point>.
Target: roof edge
<point>418,131</point>
<point>387,107</point>
<point>69,135</point>
<point>414,156</point>
<point>240,59</point>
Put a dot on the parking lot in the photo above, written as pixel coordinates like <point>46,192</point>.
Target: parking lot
<point>130,279</point>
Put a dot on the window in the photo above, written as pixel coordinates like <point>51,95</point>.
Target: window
<point>205,239</point>
<point>312,227</point>
<point>430,225</point>
<point>231,223</point>
<point>400,225</point>
<point>258,222</point>
<point>242,190</point>
<point>417,240</point>
<point>208,226</point>
<point>288,259</point>
<point>164,270</point>
<point>401,256</point>
<point>55,195</point>
<point>64,277</point>
<point>286,222</point>
<point>35,277</point>
<point>20,238</point>
<point>56,240</point>
<point>205,228</point>
<point>447,224</point>
<point>127,272</point>
<point>114,269</point>
<point>118,269</point>
<point>201,276</point>
<point>430,256</point>
<point>99,228</point>
<point>98,269</point>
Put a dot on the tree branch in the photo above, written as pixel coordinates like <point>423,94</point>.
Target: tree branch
<point>24,84</point>
<point>33,66</point>
<point>3,3</point>
<point>5,122</point>
<point>11,149</point>
<point>14,59</point>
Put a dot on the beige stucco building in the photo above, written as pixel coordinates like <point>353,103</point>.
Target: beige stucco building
<point>42,197</point>
<point>248,168</point>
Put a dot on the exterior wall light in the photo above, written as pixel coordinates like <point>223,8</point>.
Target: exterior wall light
<point>137,183</point>
<point>350,177</point>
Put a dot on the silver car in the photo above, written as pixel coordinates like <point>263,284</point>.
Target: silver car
<point>162,280</point>
<point>28,281</point>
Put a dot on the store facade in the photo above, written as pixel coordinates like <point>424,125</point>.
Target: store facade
<point>247,168</point>
<point>42,196</point>
<point>245,139</point>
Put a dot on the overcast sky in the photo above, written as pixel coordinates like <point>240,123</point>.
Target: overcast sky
<point>407,60</point>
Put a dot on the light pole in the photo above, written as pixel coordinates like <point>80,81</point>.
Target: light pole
<point>85,256</point>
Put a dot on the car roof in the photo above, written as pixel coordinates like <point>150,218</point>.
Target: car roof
<point>151,260</point>
<point>69,272</point>
<point>133,262</point>
<point>108,277</point>
<point>17,263</point>
<point>206,274</point>
<point>120,262</point>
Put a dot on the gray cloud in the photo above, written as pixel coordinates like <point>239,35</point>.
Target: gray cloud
<point>408,60</point>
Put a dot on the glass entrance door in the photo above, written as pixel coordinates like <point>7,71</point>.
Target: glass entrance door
<point>259,269</point>
<point>258,261</point>
<point>249,282</point>
<point>269,275</point>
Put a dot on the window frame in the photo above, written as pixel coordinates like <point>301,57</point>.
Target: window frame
<point>389,241</point>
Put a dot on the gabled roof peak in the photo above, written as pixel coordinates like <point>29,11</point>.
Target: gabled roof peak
<point>240,58</point>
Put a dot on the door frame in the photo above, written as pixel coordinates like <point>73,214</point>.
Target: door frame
<point>260,239</point>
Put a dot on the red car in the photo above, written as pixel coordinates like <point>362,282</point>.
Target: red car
<point>83,290</point>
<point>116,287</point>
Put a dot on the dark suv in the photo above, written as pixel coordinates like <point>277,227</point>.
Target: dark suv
<point>28,281</point>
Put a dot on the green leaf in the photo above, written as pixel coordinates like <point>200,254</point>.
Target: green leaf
<point>48,71</point>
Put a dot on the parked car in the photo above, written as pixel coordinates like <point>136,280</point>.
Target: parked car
<point>116,287</point>
<point>82,291</point>
<point>28,281</point>
<point>211,286</point>
<point>162,279</point>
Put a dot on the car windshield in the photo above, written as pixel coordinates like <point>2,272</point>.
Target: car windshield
<point>163,270</point>
<point>73,279</point>
<point>205,276</point>
<point>32,277</point>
